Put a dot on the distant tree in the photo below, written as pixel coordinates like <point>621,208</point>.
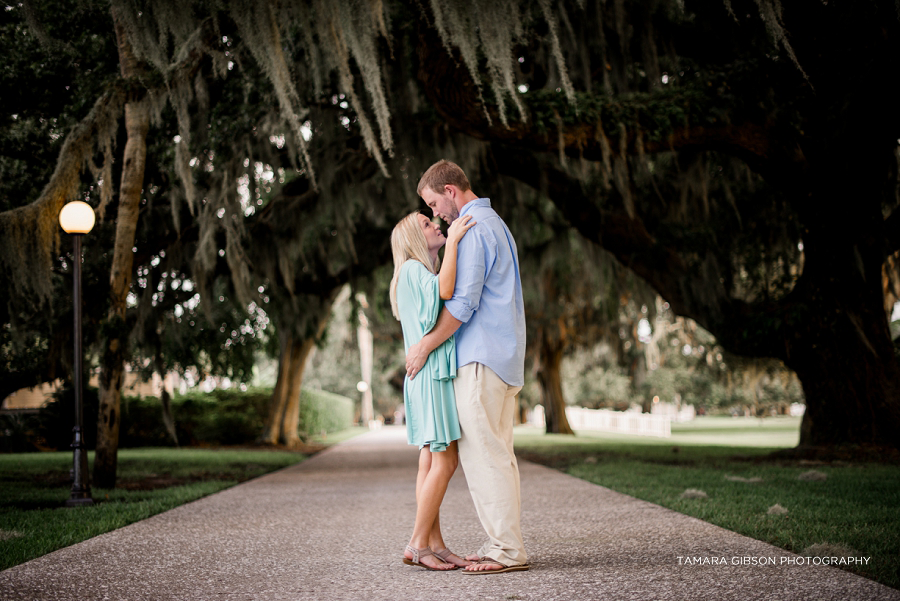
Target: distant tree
<point>570,290</point>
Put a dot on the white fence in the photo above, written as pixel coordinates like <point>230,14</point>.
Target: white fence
<point>604,420</point>
<point>677,413</point>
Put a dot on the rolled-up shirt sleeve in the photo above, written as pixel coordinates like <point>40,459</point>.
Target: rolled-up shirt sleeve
<point>472,257</point>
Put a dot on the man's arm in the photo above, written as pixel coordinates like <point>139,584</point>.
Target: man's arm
<point>418,353</point>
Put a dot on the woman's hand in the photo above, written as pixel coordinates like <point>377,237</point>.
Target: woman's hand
<point>458,228</point>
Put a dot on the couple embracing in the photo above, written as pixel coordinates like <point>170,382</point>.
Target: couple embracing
<point>464,333</point>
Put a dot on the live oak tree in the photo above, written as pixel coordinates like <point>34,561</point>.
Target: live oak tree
<point>302,246</point>
<point>112,370</point>
<point>739,157</point>
<point>48,87</point>
<point>169,56</point>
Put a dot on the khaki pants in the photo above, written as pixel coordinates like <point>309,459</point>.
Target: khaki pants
<point>486,407</point>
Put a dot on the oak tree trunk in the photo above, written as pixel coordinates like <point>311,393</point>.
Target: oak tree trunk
<point>289,434</point>
<point>279,395</point>
<point>112,368</point>
<point>840,343</point>
<point>283,423</point>
<point>366,358</point>
<point>847,364</point>
<point>165,398</point>
<point>547,367</point>
<point>851,381</point>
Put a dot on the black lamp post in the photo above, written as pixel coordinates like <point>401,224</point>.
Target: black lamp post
<point>77,218</point>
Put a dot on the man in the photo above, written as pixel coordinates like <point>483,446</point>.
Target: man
<point>487,314</point>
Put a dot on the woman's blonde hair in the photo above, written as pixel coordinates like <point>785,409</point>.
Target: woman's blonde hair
<point>408,242</point>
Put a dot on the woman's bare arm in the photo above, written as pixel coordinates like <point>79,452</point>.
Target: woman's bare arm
<point>447,277</point>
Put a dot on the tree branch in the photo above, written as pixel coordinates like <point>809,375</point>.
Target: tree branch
<point>678,117</point>
<point>628,239</point>
<point>892,232</point>
<point>625,237</point>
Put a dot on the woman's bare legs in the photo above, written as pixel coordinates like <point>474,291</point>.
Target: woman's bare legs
<point>435,471</point>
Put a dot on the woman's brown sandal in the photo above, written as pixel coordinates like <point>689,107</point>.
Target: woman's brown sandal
<point>418,554</point>
<point>446,554</point>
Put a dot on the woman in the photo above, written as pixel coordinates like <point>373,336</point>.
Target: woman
<point>432,424</point>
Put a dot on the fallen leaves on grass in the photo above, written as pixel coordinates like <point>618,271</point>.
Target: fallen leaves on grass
<point>777,509</point>
<point>9,534</point>
<point>752,480</point>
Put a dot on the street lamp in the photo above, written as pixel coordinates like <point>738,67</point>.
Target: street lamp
<point>77,218</point>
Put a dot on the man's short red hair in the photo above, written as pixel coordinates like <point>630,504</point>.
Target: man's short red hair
<point>441,174</point>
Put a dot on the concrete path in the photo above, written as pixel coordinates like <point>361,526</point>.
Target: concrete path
<point>334,527</point>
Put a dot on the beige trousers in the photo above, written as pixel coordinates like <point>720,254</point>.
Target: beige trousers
<point>486,406</point>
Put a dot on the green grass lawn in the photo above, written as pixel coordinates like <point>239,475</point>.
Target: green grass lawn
<point>35,486</point>
<point>336,437</point>
<point>857,506</point>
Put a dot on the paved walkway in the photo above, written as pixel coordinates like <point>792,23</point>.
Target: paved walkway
<point>334,527</point>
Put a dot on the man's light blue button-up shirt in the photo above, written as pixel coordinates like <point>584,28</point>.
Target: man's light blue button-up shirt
<point>488,296</point>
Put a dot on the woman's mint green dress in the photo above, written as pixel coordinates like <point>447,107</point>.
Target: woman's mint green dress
<point>431,417</point>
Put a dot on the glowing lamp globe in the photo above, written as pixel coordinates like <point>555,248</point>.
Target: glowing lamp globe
<point>77,217</point>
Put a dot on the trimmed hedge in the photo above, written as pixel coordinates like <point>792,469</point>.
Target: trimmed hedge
<point>224,417</point>
<point>220,417</point>
<point>322,411</point>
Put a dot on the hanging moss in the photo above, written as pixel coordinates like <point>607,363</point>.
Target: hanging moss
<point>30,234</point>
<point>301,49</point>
